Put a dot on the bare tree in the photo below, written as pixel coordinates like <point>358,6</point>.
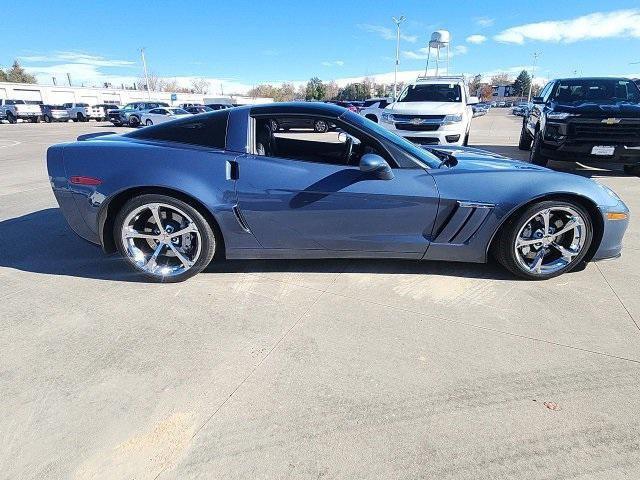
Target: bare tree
<point>154,83</point>
<point>501,79</point>
<point>200,85</point>
<point>331,91</point>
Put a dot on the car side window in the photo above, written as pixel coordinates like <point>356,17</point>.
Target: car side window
<point>311,139</point>
<point>546,91</point>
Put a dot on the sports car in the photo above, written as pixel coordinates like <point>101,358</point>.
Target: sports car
<point>171,198</point>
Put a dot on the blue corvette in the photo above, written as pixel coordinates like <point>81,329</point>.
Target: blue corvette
<point>226,184</point>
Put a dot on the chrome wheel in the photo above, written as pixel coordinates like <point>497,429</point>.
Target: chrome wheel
<point>161,239</point>
<point>550,240</point>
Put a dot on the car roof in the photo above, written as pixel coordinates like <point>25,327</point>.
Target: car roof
<point>298,108</point>
<point>594,78</point>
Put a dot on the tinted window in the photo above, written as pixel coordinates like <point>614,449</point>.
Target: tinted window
<point>596,90</point>
<point>434,92</point>
<point>206,131</point>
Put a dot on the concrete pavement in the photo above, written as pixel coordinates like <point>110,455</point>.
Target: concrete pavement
<point>307,369</point>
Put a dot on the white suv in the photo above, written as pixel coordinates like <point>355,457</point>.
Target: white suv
<point>432,110</point>
<point>372,108</point>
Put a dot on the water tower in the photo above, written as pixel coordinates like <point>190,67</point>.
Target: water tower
<point>439,39</point>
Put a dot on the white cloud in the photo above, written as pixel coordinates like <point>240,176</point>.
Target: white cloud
<point>484,21</point>
<point>386,33</point>
<point>77,57</point>
<point>422,53</point>
<point>335,63</point>
<point>595,25</point>
<point>476,39</point>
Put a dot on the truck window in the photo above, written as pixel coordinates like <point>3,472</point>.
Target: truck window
<point>434,92</point>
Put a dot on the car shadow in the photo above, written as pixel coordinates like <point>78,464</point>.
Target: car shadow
<point>42,242</point>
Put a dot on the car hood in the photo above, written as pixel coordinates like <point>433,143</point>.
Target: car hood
<point>469,158</point>
<point>428,108</point>
<point>603,109</point>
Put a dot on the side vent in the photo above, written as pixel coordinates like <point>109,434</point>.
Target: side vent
<point>464,222</point>
<point>240,219</point>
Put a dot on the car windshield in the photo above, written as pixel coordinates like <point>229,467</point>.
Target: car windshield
<point>419,153</point>
<point>178,111</point>
<point>15,102</point>
<point>583,90</point>
<point>433,92</point>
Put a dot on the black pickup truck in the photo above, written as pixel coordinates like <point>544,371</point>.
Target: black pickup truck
<point>585,119</point>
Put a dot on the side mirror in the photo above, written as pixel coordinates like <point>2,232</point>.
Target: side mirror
<point>473,101</point>
<point>376,165</point>
<point>537,100</point>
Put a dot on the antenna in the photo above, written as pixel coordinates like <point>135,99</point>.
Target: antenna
<point>533,73</point>
<point>146,75</point>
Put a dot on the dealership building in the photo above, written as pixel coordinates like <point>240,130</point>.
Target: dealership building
<point>56,95</point>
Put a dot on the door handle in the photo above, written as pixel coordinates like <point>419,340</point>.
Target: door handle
<point>233,172</point>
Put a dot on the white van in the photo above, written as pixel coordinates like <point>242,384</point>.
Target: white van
<point>432,110</point>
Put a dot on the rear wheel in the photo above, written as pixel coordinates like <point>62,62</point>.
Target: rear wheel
<point>535,155</point>
<point>525,139</point>
<point>36,120</point>
<point>546,240</point>
<point>165,239</point>
<point>11,118</point>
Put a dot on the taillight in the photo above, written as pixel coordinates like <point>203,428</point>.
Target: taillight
<point>77,180</point>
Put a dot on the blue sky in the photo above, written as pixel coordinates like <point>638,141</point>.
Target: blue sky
<point>242,43</point>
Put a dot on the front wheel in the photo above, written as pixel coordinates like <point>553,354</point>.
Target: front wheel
<point>535,155</point>
<point>320,126</point>
<point>546,240</point>
<point>148,123</point>
<point>134,121</point>
<point>525,139</point>
<point>165,239</point>
<point>11,118</point>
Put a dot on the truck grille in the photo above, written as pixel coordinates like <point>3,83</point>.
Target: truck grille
<point>398,117</point>
<point>417,128</point>
<point>602,131</point>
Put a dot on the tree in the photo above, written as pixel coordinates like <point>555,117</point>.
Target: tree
<point>315,89</point>
<point>501,79</point>
<point>486,92</point>
<point>154,82</point>
<point>331,91</point>
<point>263,90</point>
<point>521,84</point>
<point>474,84</point>
<point>3,76</point>
<point>286,93</point>
<point>200,85</point>
<point>354,91</point>
<point>17,74</point>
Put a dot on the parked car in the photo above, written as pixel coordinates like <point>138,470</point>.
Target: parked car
<point>582,119</point>
<point>432,110</point>
<point>161,115</point>
<point>131,114</point>
<point>478,110</point>
<point>78,112</point>
<point>218,106</point>
<point>194,110</point>
<point>100,111</point>
<point>54,113</point>
<point>349,105</point>
<point>185,105</point>
<point>12,110</point>
<point>285,124</point>
<point>232,188</point>
<point>373,107</point>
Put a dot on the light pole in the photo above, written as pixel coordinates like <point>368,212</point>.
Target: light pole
<point>397,21</point>
<point>533,74</point>
<point>146,75</point>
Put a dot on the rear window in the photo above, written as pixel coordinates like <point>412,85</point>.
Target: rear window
<point>205,131</point>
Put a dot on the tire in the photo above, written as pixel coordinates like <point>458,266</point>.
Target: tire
<point>47,119</point>
<point>134,121</point>
<point>514,259</point>
<point>371,117</point>
<point>535,155</point>
<point>525,139</point>
<point>11,119</point>
<point>632,170</point>
<point>320,126</point>
<point>200,252</point>
<point>36,120</point>
<point>148,123</point>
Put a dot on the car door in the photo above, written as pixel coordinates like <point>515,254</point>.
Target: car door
<point>535,114</point>
<point>300,205</point>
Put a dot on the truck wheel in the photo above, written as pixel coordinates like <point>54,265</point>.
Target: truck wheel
<point>535,156</point>
<point>525,139</point>
<point>11,118</point>
<point>134,121</point>
<point>36,120</point>
<point>47,119</point>
<point>148,123</point>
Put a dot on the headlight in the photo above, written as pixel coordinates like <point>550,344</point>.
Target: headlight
<point>560,115</point>
<point>387,117</point>
<point>448,119</point>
